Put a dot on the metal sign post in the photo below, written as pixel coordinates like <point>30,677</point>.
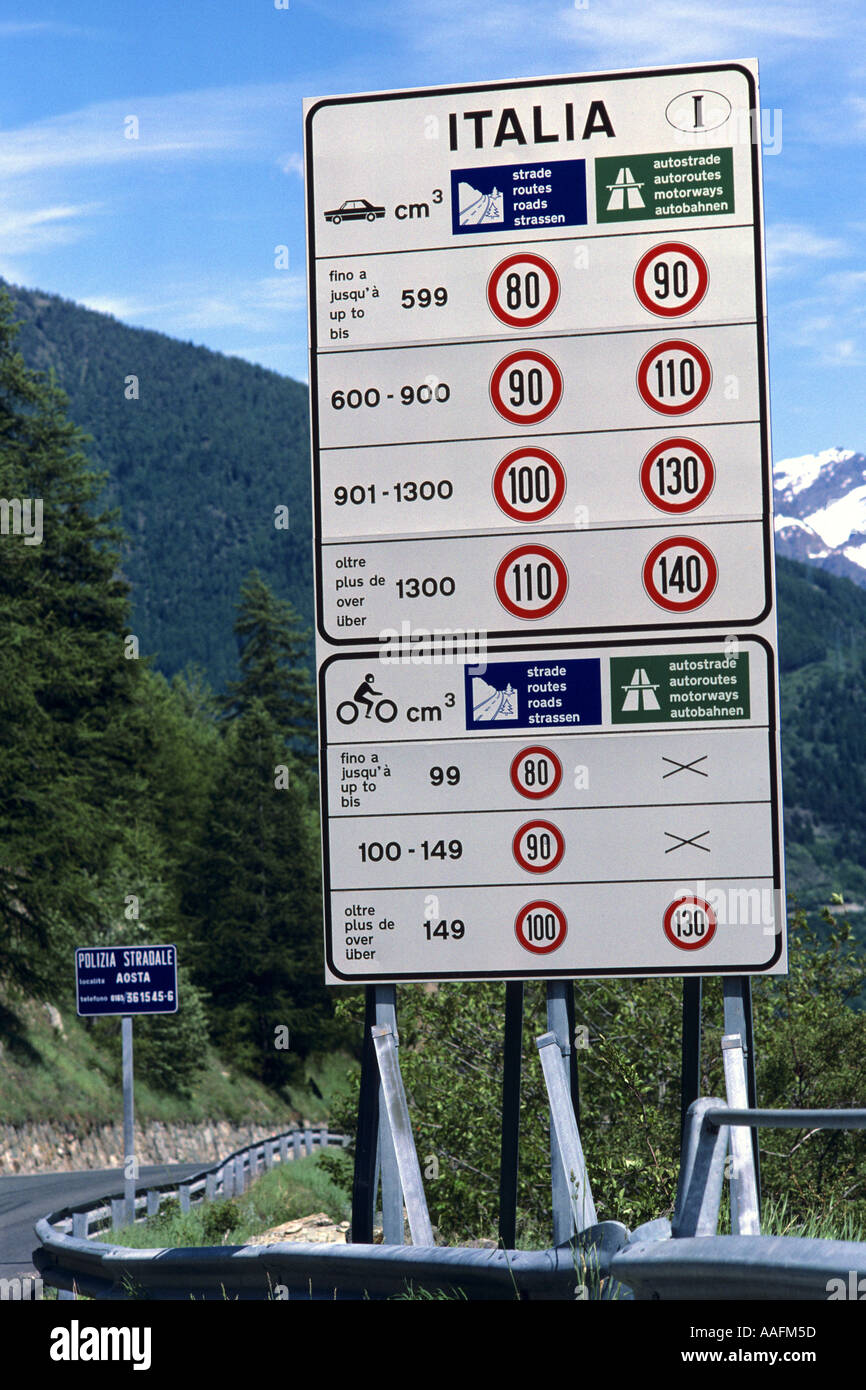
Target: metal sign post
<point>130,1164</point>
<point>510,1142</point>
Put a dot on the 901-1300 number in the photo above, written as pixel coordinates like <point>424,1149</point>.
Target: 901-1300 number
<point>409,491</point>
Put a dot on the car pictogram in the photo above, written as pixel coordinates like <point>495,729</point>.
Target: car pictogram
<point>354,210</point>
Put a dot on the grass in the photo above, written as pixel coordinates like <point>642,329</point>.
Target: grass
<point>72,1081</point>
<point>828,1224</point>
<point>290,1191</point>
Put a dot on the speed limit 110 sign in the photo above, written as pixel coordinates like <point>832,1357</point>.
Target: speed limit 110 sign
<point>539,413</point>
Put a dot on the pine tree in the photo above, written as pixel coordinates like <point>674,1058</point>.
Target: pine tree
<point>67,756</point>
<point>259,922</point>
<point>271,653</point>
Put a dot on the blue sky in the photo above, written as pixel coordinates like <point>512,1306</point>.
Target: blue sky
<point>176,230</point>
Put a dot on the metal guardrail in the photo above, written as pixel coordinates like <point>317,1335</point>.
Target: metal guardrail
<point>305,1272</point>
<point>61,1258</point>
<point>752,1268</point>
<point>683,1259</point>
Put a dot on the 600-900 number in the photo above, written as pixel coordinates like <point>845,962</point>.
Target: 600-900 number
<point>424,394</point>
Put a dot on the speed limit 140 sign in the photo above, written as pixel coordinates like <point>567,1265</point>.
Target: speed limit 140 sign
<point>539,417</point>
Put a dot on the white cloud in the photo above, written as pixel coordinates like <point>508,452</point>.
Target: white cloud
<point>33,230</point>
<point>790,244</point>
<point>550,37</point>
<point>188,310</point>
<point>293,164</point>
<point>185,125</point>
<point>13,29</point>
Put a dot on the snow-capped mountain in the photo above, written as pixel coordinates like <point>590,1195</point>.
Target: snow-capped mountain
<point>820,510</point>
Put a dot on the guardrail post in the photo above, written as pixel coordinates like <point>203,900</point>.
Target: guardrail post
<point>737,991</point>
<point>210,1186</point>
<point>152,1201</point>
<point>308,1140</point>
<point>702,1172</point>
<point>183,1193</point>
<point>269,1155</point>
<point>557,1023</point>
<point>284,1148</point>
<point>296,1144</point>
<point>240,1185</point>
<point>745,1217</point>
<point>571,1164</point>
<point>118,1211</point>
<point>80,1223</point>
<point>389,1173</point>
<point>397,1110</point>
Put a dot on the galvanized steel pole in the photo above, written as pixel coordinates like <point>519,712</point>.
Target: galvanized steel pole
<point>509,1154</point>
<point>130,1167</point>
<point>392,1192</point>
<point>557,1022</point>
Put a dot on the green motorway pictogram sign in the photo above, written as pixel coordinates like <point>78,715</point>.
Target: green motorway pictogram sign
<point>661,187</point>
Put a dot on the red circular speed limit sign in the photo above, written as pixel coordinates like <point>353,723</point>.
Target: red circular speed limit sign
<point>538,846</point>
<point>689,923</point>
<point>536,772</point>
<point>677,475</point>
<point>674,377</point>
<point>526,387</point>
<point>541,927</point>
<point>523,290</point>
<point>671,279</point>
<point>531,581</point>
<point>680,573</point>
<point>529,484</point>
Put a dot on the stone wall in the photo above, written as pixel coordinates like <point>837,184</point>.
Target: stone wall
<point>50,1148</point>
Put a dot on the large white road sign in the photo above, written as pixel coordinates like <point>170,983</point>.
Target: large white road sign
<point>539,411</point>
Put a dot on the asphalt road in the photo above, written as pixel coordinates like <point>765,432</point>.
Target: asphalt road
<point>23,1200</point>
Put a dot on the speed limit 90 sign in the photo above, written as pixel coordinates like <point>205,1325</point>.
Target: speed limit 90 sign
<point>671,280</point>
<point>526,387</point>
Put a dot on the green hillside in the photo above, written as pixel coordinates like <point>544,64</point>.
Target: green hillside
<point>196,464</point>
<point>822,641</point>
